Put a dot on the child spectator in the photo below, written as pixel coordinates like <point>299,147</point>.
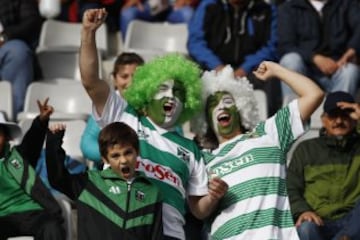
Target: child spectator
<point>116,203</point>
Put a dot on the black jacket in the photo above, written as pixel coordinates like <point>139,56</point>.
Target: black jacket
<point>21,20</point>
<point>301,30</point>
<point>108,206</point>
<point>220,35</point>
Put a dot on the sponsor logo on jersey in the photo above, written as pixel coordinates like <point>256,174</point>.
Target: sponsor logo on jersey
<point>232,165</point>
<point>183,154</point>
<point>159,172</point>
<point>142,135</point>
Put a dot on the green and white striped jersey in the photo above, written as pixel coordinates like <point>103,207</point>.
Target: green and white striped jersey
<point>256,206</point>
<point>173,162</point>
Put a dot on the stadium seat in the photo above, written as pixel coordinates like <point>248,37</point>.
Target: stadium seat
<point>151,39</point>
<point>58,49</point>
<point>6,100</point>
<point>72,137</point>
<point>311,133</point>
<point>69,99</point>
<point>66,36</point>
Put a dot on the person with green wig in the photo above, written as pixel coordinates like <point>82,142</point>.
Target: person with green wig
<point>164,93</point>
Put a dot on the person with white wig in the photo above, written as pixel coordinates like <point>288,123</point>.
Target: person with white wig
<point>250,156</point>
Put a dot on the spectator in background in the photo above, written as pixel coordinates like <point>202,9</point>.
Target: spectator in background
<point>73,10</point>
<point>20,25</point>
<point>323,176</point>
<point>124,68</point>
<point>241,33</point>
<point>321,39</point>
<point>173,11</point>
<point>26,205</point>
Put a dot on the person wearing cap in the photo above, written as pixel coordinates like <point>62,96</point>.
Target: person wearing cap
<point>323,176</point>
<point>26,206</point>
<point>250,156</point>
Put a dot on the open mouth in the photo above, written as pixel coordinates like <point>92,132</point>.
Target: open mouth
<point>125,171</point>
<point>224,119</point>
<point>168,108</point>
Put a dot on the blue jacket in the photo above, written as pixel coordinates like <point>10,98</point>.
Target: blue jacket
<point>219,36</point>
<point>89,141</point>
<point>301,30</point>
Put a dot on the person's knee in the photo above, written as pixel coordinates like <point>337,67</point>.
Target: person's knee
<point>307,229</point>
<point>128,14</point>
<point>18,52</point>
<point>186,14</point>
<point>292,61</point>
<point>350,70</point>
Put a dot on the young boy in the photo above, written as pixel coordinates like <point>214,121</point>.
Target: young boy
<point>26,206</point>
<point>116,203</point>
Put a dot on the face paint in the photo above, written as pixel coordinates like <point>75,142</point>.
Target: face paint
<point>222,111</point>
<point>167,104</point>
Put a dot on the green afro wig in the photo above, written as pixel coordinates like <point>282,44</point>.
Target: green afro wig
<point>148,77</point>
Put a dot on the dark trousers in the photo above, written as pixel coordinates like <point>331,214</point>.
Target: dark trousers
<point>39,224</point>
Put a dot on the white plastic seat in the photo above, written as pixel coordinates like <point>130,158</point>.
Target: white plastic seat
<point>66,208</point>
<point>58,49</point>
<point>72,137</point>
<point>150,39</point>
<point>315,120</point>
<point>6,100</point>
<point>59,64</point>
<point>311,133</point>
<point>65,36</point>
<point>62,64</point>
<point>261,99</point>
<point>69,99</point>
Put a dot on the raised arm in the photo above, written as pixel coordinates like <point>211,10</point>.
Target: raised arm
<point>33,140</point>
<point>89,65</point>
<point>59,177</point>
<point>309,94</point>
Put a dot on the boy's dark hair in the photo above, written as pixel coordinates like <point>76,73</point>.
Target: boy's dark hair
<point>117,133</point>
<point>126,58</point>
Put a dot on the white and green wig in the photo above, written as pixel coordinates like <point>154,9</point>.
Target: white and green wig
<point>148,77</point>
<point>241,90</point>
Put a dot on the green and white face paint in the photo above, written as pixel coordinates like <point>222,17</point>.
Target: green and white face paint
<point>166,106</point>
<point>222,111</point>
